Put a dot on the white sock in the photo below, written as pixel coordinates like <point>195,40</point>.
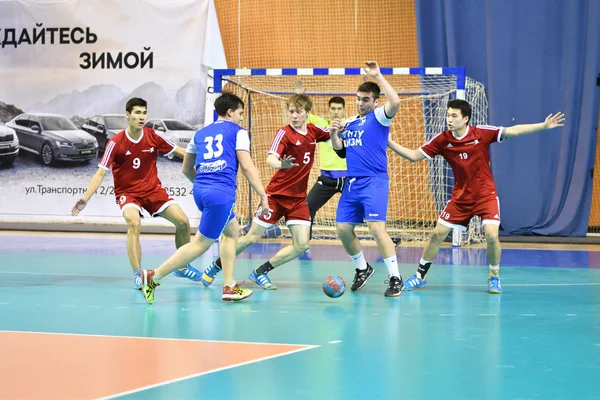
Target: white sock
<point>392,265</point>
<point>423,262</point>
<point>137,271</point>
<point>155,277</point>
<point>359,261</point>
<point>495,270</point>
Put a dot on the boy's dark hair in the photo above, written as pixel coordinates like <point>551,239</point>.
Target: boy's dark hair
<point>463,106</point>
<point>136,101</point>
<point>337,100</point>
<point>227,101</point>
<point>370,87</point>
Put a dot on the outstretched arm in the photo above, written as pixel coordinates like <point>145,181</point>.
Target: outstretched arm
<point>410,155</point>
<point>284,162</point>
<point>94,184</point>
<point>393,100</point>
<point>551,122</point>
<point>179,152</point>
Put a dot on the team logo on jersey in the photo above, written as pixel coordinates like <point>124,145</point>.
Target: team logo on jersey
<point>213,166</point>
<point>497,216</point>
<point>149,151</point>
<point>449,145</point>
<point>298,143</point>
<point>128,153</point>
<point>363,120</point>
<point>353,138</point>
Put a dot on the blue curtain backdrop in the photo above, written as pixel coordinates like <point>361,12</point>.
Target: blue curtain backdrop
<point>534,57</point>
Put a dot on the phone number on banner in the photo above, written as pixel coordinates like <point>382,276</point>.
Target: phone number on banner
<point>102,190</point>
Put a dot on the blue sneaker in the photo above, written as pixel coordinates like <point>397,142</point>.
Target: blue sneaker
<point>262,280</point>
<point>414,282</point>
<point>137,281</point>
<point>188,272</point>
<point>494,285</point>
<point>209,274</point>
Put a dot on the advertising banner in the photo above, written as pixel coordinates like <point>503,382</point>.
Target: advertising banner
<point>67,70</point>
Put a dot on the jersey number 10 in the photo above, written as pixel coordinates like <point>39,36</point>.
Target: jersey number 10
<point>218,146</point>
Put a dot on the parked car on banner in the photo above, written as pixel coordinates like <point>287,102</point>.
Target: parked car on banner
<point>9,145</point>
<point>53,137</point>
<point>104,126</point>
<point>177,131</point>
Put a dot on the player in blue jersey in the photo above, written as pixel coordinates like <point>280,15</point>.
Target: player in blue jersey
<point>364,139</point>
<point>211,162</point>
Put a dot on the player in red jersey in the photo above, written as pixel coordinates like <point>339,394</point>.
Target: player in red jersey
<point>132,154</point>
<point>466,148</point>
<point>292,155</point>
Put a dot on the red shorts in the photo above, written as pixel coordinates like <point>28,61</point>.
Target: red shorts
<point>294,209</point>
<point>458,215</point>
<point>154,202</point>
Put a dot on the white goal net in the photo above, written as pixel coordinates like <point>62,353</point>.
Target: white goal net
<point>418,191</point>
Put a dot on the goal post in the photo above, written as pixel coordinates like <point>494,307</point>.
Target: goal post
<point>418,191</point>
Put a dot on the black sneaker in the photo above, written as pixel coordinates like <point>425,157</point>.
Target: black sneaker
<point>361,277</point>
<point>395,287</point>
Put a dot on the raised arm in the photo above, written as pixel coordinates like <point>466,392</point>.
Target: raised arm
<point>94,184</point>
<point>393,100</point>
<point>251,173</point>
<point>334,134</point>
<point>551,122</point>
<point>410,155</point>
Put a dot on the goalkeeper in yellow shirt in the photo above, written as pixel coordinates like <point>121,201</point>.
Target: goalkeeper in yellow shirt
<point>333,168</point>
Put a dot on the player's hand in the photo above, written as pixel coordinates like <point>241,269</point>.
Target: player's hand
<point>264,206</point>
<point>80,205</point>
<point>335,127</point>
<point>372,69</point>
<point>288,162</point>
<point>298,87</point>
<point>553,121</point>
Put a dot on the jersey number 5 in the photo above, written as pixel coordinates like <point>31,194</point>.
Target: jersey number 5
<point>306,159</point>
<point>218,146</point>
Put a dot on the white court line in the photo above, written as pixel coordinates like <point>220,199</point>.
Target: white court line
<point>306,347</point>
<point>335,342</point>
<point>527,315</point>
<point>204,373</point>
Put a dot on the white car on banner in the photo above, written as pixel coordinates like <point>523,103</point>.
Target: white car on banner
<point>177,131</point>
<point>9,145</point>
<point>104,126</point>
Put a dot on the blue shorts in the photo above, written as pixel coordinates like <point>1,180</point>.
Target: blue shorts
<point>364,198</point>
<point>217,210</point>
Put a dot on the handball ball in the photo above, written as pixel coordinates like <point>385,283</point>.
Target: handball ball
<point>334,286</point>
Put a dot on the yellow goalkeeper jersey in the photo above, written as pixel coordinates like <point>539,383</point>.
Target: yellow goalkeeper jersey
<point>328,159</point>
